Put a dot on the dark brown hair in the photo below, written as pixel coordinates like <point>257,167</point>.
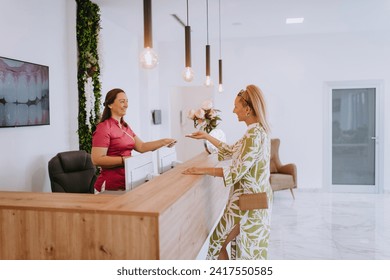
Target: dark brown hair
<point>110,98</point>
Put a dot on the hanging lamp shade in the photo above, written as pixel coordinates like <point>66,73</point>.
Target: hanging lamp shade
<point>188,73</point>
<point>208,81</point>
<point>220,85</point>
<point>148,57</point>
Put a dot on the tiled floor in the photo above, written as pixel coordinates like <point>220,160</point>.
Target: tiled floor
<point>330,226</point>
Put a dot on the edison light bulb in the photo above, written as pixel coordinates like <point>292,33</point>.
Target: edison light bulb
<point>188,74</point>
<point>208,82</point>
<point>220,88</point>
<point>148,58</point>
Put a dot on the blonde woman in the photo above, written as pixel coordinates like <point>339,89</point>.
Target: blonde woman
<point>248,174</point>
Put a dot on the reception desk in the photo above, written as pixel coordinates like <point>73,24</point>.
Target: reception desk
<point>168,217</point>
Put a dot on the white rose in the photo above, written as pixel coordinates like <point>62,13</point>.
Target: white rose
<point>207,105</point>
<point>199,113</point>
<point>191,114</point>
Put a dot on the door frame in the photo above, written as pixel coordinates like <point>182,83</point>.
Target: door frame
<point>379,131</point>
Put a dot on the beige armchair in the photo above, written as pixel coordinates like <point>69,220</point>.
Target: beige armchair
<point>282,177</point>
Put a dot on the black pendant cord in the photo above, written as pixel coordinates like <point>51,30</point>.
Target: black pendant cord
<point>207,20</point>
<point>220,48</point>
<point>187,15</point>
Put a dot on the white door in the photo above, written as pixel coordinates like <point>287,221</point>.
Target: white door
<point>354,141</point>
<point>182,100</point>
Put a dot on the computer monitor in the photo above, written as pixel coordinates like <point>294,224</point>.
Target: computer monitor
<point>166,159</point>
<point>138,169</point>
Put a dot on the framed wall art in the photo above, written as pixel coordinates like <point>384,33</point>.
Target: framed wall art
<point>24,93</point>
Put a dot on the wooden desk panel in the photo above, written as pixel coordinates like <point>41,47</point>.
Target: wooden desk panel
<point>166,218</point>
<point>185,225</point>
<point>36,234</point>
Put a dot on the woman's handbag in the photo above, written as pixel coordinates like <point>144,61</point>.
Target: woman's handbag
<point>253,201</point>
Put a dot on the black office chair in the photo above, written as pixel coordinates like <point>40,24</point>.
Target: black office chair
<point>72,172</point>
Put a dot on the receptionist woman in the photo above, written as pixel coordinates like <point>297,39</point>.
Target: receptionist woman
<point>248,174</point>
<point>113,141</point>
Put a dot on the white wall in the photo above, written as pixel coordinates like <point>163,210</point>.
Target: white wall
<point>292,71</point>
<point>119,56</point>
<point>43,32</point>
<point>119,66</point>
<point>181,101</point>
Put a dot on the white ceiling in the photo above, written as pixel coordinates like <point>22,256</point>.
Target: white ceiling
<point>249,18</point>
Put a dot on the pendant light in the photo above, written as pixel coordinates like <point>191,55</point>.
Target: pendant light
<point>220,87</point>
<point>148,57</point>
<point>208,81</point>
<point>188,74</point>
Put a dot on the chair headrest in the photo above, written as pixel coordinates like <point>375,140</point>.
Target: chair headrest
<point>73,160</point>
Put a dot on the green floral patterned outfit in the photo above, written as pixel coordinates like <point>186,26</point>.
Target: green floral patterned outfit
<point>248,173</point>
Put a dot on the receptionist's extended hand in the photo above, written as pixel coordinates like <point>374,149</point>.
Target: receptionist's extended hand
<point>197,135</point>
<point>168,142</point>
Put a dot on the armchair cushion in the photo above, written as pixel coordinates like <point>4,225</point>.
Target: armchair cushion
<point>282,176</point>
<point>281,181</point>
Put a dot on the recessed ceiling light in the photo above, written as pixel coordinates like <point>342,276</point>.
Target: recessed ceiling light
<point>294,20</point>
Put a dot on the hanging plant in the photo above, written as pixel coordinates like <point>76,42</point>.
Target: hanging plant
<point>89,88</point>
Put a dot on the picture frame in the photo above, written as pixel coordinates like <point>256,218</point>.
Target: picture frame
<point>24,93</point>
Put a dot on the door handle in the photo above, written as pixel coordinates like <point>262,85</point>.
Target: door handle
<point>373,138</point>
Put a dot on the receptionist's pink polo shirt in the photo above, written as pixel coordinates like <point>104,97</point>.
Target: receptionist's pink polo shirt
<point>120,142</point>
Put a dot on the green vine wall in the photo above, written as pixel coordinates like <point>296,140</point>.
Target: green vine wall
<point>88,28</point>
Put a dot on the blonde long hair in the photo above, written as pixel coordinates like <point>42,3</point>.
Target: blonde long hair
<point>254,97</point>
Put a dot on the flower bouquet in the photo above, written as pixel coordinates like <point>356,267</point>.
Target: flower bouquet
<point>206,117</point>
